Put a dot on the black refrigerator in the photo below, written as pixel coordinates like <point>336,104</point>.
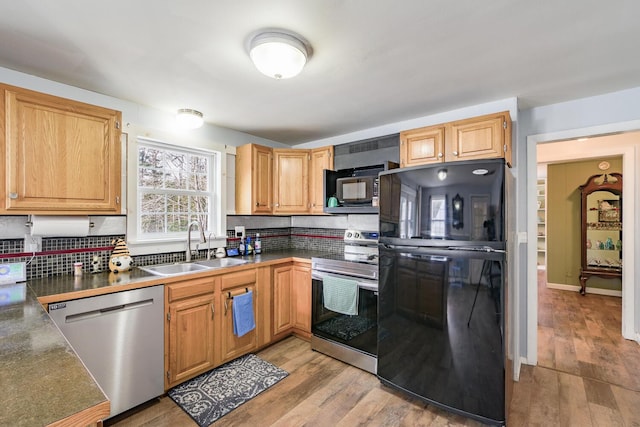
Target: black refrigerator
<point>442,287</point>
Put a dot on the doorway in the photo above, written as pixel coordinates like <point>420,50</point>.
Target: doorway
<point>624,145</point>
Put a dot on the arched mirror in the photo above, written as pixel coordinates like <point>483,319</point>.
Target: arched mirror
<point>601,245</point>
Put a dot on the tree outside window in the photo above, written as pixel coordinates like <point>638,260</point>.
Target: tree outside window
<point>174,188</point>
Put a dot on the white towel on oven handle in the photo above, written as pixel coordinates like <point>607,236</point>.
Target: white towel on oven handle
<point>340,295</point>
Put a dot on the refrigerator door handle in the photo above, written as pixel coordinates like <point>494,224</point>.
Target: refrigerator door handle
<point>476,249</point>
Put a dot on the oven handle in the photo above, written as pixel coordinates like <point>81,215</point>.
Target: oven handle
<point>369,286</point>
<point>319,269</point>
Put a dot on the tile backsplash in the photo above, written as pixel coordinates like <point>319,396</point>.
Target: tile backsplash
<point>59,254</point>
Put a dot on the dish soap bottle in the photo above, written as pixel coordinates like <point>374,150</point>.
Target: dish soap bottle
<point>241,248</point>
<point>257,245</point>
<point>249,247</point>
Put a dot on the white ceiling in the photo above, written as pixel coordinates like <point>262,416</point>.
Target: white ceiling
<point>373,62</point>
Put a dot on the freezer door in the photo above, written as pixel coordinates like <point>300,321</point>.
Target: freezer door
<point>440,329</point>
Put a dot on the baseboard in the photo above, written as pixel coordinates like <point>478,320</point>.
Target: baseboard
<point>576,288</point>
<point>518,365</point>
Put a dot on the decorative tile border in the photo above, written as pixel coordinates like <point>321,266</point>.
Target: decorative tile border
<point>59,254</point>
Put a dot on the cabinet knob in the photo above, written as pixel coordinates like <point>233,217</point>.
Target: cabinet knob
<point>455,153</point>
<point>439,155</point>
<point>257,204</point>
<point>277,205</point>
<point>13,195</point>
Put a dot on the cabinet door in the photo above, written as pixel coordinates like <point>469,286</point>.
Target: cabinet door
<point>233,346</point>
<point>254,179</point>
<point>291,182</point>
<point>301,289</point>
<point>282,301</point>
<point>60,155</point>
<point>479,138</point>
<point>422,146</point>
<point>191,338</point>
<point>263,180</point>
<point>321,158</point>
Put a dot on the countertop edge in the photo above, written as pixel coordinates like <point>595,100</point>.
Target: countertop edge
<point>151,280</point>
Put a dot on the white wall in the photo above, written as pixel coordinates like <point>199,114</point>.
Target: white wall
<point>137,115</point>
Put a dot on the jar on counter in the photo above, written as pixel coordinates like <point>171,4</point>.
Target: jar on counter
<point>77,269</point>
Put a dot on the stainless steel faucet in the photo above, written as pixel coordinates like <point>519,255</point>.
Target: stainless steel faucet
<point>202,238</point>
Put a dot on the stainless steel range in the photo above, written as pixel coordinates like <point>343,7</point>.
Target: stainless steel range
<point>349,335</point>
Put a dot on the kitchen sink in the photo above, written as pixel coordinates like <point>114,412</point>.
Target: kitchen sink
<point>221,262</point>
<point>173,269</point>
<point>191,267</point>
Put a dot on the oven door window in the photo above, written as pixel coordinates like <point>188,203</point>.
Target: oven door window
<point>357,331</point>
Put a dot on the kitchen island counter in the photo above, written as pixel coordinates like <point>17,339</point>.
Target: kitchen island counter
<point>43,380</point>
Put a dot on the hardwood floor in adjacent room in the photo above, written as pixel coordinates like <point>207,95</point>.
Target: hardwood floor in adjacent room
<point>593,383</point>
<point>587,374</point>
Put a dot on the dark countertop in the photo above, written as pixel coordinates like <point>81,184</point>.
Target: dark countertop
<point>42,379</point>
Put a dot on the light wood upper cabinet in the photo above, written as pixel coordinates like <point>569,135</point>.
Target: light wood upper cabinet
<point>190,330</point>
<point>254,179</point>
<point>291,181</point>
<point>321,158</point>
<point>58,155</point>
<point>482,137</point>
<point>422,146</point>
<point>280,181</point>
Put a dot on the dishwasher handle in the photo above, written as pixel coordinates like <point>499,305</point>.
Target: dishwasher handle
<point>78,317</point>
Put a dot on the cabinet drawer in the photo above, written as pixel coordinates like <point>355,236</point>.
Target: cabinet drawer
<point>241,278</point>
<point>189,289</point>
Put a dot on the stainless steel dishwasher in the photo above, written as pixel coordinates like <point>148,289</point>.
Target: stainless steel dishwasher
<point>120,339</point>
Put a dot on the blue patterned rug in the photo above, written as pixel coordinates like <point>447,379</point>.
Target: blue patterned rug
<point>214,394</point>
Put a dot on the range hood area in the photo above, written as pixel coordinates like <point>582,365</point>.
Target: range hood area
<point>368,156</point>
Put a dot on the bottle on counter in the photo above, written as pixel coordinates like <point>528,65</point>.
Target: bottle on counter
<point>249,247</point>
<point>242,248</point>
<point>257,245</point>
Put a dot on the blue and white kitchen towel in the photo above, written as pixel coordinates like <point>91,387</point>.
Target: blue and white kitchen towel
<point>340,295</point>
<point>243,319</point>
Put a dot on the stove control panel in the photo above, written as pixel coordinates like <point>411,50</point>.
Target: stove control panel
<point>362,237</point>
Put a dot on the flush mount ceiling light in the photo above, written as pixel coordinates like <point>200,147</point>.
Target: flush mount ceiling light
<point>278,55</point>
<point>189,119</point>
<point>442,174</point>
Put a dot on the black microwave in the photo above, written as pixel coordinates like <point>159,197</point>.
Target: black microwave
<point>357,190</point>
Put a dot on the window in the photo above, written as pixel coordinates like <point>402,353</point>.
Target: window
<point>408,226</point>
<point>438,215</point>
<point>175,186</point>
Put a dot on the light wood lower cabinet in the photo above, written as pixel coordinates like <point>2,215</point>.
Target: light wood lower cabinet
<point>199,316</point>
<point>190,329</point>
<point>301,299</point>
<point>282,301</point>
<point>292,299</point>
<point>233,284</point>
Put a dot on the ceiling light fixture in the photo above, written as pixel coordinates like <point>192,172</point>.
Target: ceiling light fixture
<point>442,174</point>
<point>278,55</point>
<point>189,119</point>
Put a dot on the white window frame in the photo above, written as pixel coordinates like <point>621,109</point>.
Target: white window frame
<point>443,199</point>
<point>139,244</point>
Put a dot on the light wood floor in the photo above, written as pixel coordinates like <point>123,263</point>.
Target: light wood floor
<point>588,376</point>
